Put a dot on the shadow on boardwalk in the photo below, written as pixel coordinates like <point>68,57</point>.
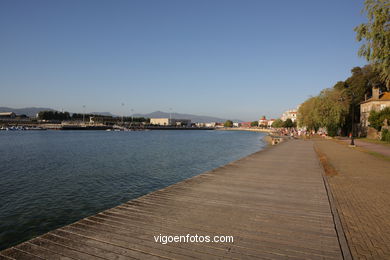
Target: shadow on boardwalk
<point>362,195</point>
<point>273,203</point>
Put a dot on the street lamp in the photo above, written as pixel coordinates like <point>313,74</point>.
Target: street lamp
<point>122,111</point>
<point>352,95</point>
<point>132,116</point>
<point>84,114</point>
<point>170,116</point>
<point>352,120</point>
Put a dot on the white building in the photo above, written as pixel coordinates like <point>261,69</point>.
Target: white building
<point>270,122</point>
<point>290,114</point>
<point>263,121</point>
<point>170,122</point>
<point>211,124</point>
<point>377,102</point>
<point>7,115</point>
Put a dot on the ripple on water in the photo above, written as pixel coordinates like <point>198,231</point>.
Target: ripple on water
<point>52,178</point>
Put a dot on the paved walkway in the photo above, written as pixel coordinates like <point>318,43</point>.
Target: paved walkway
<point>273,203</point>
<point>378,148</point>
<point>361,187</point>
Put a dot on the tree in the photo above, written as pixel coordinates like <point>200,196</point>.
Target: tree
<point>307,114</point>
<point>255,123</point>
<point>53,115</point>
<point>278,123</point>
<point>376,36</point>
<point>228,123</point>
<point>331,107</point>
<point>355,89</point>
<point>328,109</point>
<point>288,123</point>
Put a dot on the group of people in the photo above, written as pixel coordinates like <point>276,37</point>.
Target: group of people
<point>298,132</point>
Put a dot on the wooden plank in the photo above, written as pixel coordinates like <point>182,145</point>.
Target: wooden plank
<point>14,253</point>
<point>274,203</point>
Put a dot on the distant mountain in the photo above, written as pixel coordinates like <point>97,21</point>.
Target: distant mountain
<point>32,111</point>
<point>193,118</point>
<point>29,111</point>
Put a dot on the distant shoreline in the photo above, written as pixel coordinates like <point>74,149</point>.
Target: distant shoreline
<point>262,130</point>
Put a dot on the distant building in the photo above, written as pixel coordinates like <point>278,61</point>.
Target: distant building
<point>377,102</point>
<point>211,124</point>
<point>246,124</point>
<point>270,122</point>
<point>290,114</point>
<point>170,122</point>
<point>7,115</point>
<point>263,121</point>
<point>235,124</point>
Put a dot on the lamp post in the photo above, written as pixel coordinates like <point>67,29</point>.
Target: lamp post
<point>352,144</point>
<point>352,121</point>
<point>122,111</point>
<point>170,116</point>
<point>132,116</point>
<point>84,114</point>
<point>352,95</point>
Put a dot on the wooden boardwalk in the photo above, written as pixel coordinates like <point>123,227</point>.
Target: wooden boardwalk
<point>274,203</point>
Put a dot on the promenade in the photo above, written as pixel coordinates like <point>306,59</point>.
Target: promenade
<point>274,203</point>
<point>382,149</point>
<point>360,184</point>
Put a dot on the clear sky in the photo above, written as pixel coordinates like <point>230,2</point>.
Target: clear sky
<point>227,58</point>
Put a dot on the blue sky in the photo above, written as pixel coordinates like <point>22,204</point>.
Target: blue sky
<point>227,58</point>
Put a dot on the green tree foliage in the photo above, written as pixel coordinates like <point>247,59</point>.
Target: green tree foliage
<point>53,115</point>
<point>360,83</point>
<point>331,108</point>
<point>327,110</point>
<point>278,123</point>
<point>374,119</point>
<point>385,135</point>
<point>255,123</point>
<point>375,35</point>
<point>355,88</point>
<point>377,119</point>
<point>307,114</point>
<point>228,123</point>
<point>106,119</point>
<point>288,123</point>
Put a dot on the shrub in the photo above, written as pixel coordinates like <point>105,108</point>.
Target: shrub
<point>288,123</point>
<point>385,135</point>
<point>332,130</point>
<point>278,123</point>
<point>377,119</point>
<point>228,123</point>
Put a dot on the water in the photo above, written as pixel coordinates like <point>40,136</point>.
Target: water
<point>52,178</point>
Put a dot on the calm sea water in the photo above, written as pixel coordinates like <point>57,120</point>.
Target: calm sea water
<point>52,178</point>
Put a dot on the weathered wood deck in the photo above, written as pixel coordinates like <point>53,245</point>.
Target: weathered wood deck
<point>273,202</point>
